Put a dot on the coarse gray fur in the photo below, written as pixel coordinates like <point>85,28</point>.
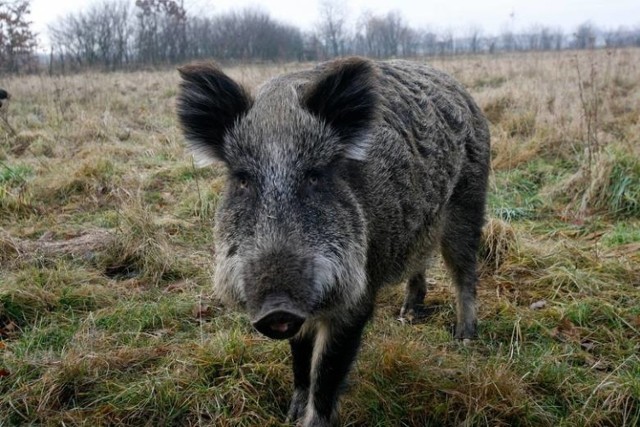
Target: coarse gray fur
<point>342,179</point>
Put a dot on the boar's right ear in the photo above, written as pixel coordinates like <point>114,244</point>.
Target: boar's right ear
<point>345,96</point>
<point>209,103</point>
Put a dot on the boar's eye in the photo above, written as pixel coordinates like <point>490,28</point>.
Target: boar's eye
<point>314,181</point>
<point>242,180</point>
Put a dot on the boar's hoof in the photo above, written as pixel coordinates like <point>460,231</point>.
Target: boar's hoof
<point>297,406</point>
<point>466,333</point>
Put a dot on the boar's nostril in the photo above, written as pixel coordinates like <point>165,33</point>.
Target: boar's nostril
<point>279,324</point>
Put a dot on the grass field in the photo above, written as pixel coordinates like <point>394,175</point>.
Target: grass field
<point>106,314</point>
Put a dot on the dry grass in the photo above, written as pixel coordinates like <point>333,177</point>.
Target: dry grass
<point>105,245</point>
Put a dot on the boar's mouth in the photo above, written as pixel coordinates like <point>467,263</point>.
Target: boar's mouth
<point>278,322</point>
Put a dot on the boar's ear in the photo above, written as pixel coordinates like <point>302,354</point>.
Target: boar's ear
<point>346,97</point>
<point>209,103</point>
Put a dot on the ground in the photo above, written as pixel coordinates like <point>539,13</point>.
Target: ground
<point>106,314</point>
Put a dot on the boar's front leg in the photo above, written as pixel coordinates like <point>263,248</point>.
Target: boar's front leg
<point>335,347</point>
<point>301,352</point>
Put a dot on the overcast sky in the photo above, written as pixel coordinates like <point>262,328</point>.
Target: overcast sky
<point>491,15</point>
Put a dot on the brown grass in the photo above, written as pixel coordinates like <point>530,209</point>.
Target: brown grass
<point>119,328</point>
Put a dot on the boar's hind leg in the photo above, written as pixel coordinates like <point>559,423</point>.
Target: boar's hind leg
<point>414,297</point>
<point>301,352</point>
<point>460,241</point>
<point>335,349</point>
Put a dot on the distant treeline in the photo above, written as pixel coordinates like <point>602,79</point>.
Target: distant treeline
<point>121,34</point>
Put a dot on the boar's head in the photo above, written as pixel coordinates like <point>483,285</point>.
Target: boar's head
<point>290,229</point>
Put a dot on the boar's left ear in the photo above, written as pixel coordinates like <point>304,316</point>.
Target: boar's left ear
<point>346,97</point>
<point>209,103</point>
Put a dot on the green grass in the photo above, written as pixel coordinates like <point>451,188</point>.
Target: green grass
<point>624,187</point>
<point>516,194</point>
<point>12,175</point>
<point>623,233</point>
<point>127,333</point>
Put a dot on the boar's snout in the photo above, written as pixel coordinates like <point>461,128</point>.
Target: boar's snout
<point>281,295</point>
<point>278,319</point>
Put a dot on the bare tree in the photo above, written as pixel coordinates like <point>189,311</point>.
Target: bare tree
<point>115,34</point>
<point>72,37</point>
<point>508,41</point>
<point>393,30</point>
<point>546,38</point>
<point>101,36</point>
<point>17,40</point>
<point>332,27</point>
<point>585,36</point>
<point>475,39</point>
<point>114,31</point>
<point>622,37</point>
<point>161,31</point>
<point>429,42</point>
<point>532,38</point>
<point>386,36</point>
<point>446,43</point>
<point>247,34</point>
<point>312,47</point>
<point>409,42</point>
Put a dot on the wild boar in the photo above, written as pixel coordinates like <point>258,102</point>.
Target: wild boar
<point>341,179</point>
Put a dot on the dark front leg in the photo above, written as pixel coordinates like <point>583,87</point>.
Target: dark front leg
<point>301,352</point>
<point>335,348</point>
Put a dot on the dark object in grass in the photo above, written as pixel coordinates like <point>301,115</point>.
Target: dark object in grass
<point>341,179</point>
<point>4,96</point>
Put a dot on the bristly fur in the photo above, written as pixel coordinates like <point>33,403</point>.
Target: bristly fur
<point>209,103</point>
